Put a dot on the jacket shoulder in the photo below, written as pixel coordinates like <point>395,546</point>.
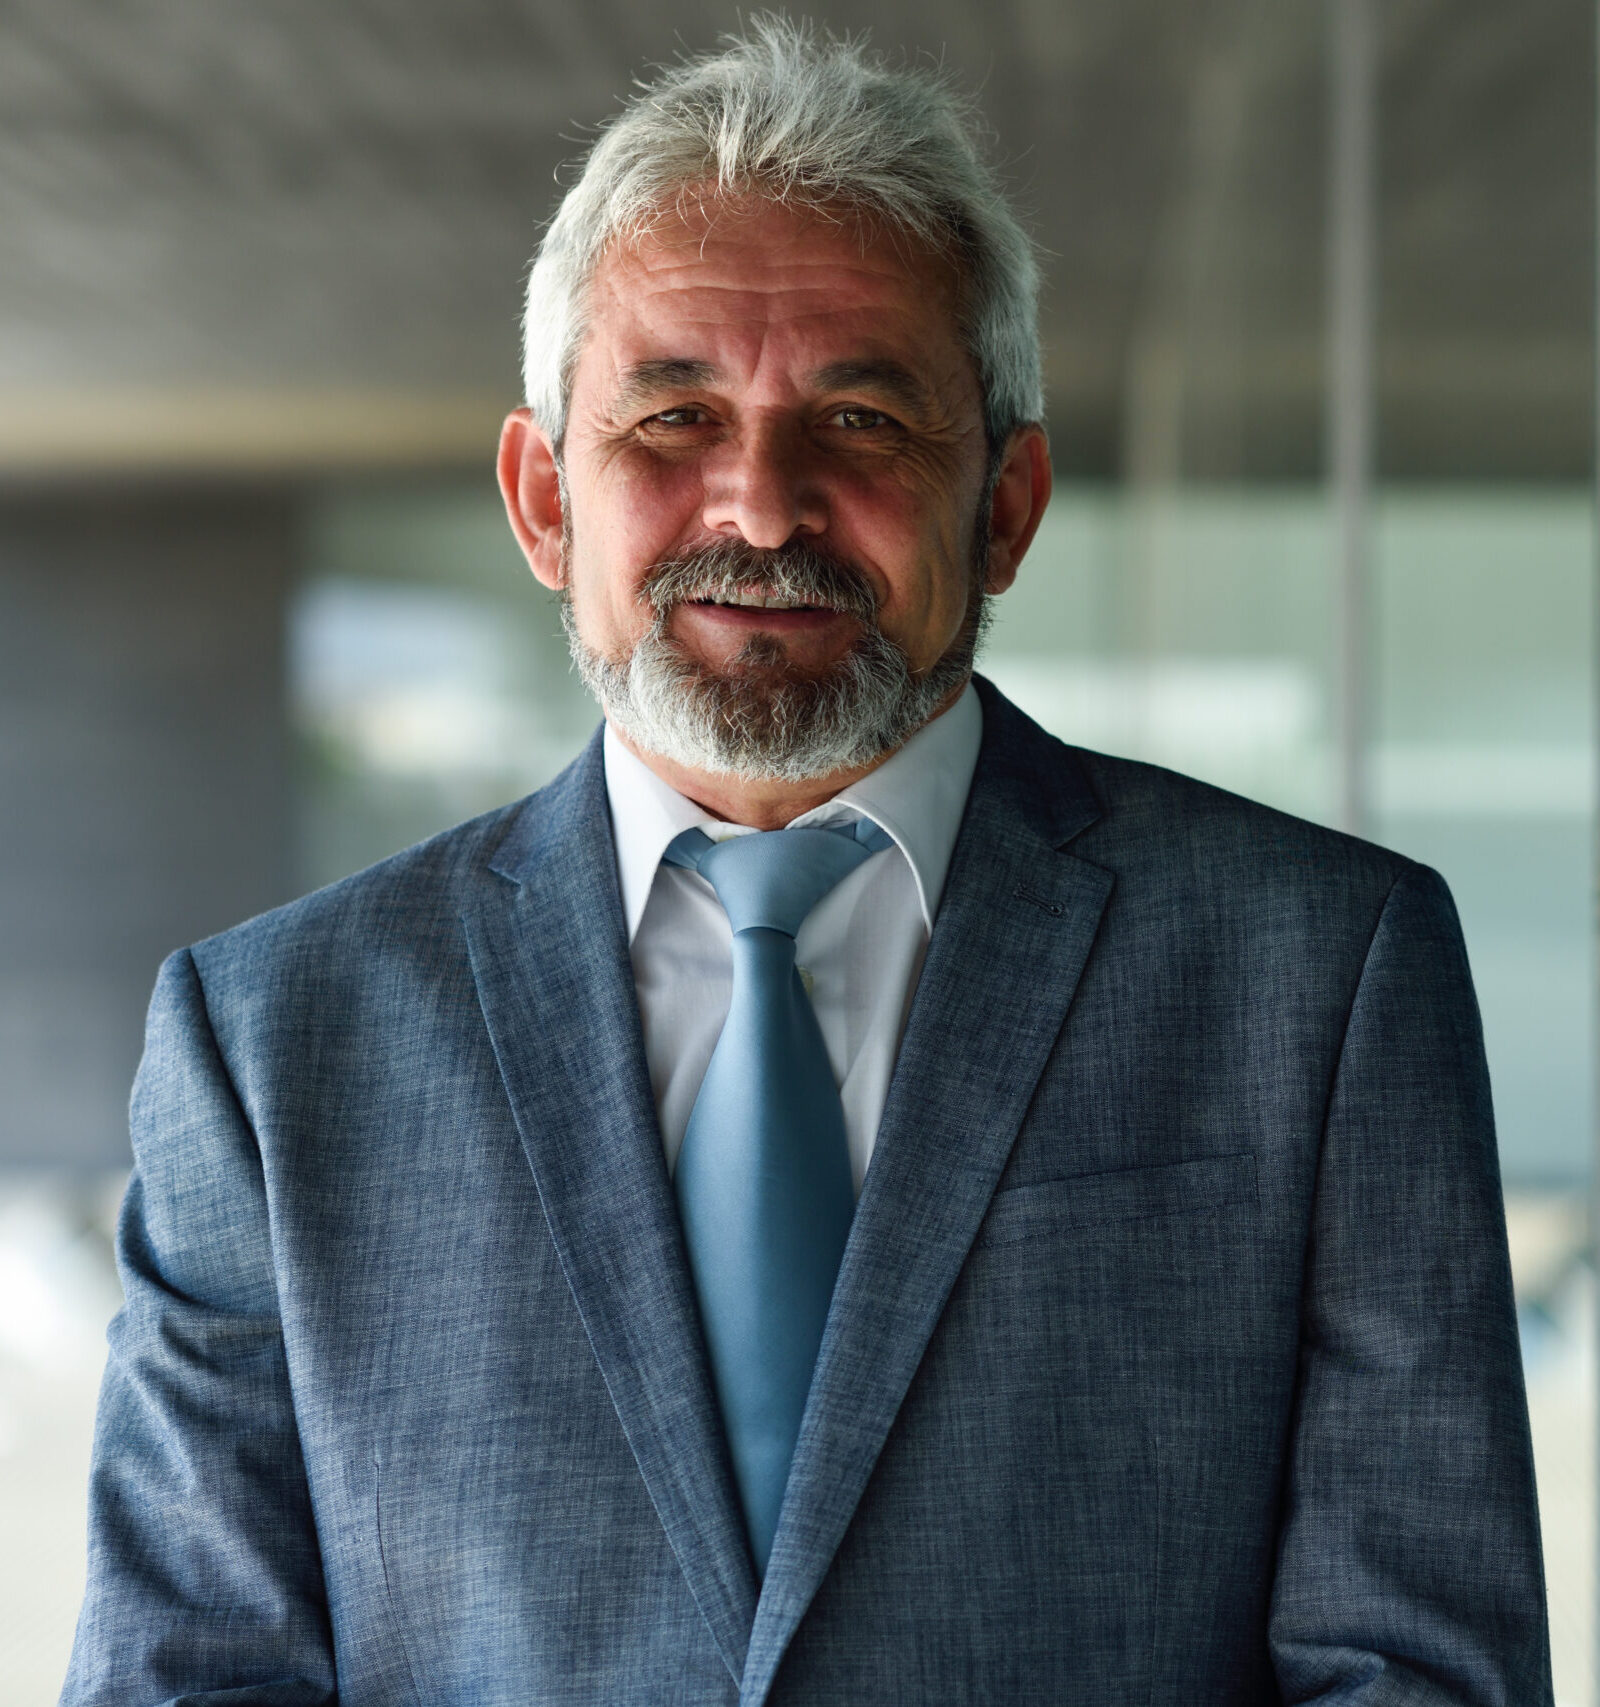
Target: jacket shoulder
<point>1145,821</point>
<point>1181,817</point>
<point>409,901</point>
<point>413,884</point>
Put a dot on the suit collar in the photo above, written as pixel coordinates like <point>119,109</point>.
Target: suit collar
<point>1029,778</point>
<point>1016,928</point>
<point>556,988</point>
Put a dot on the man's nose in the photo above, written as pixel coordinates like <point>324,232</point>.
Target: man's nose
<point>763,484</point>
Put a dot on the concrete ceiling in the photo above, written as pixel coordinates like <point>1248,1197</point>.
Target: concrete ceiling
<point>284,232</point>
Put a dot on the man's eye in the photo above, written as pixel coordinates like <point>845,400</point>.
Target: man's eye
<point>688,415</point>
<point>861,420</point>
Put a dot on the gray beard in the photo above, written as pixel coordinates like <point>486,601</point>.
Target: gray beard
<point>761,718</point>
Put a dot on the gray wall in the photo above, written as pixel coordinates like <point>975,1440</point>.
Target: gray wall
<point>144,796</point>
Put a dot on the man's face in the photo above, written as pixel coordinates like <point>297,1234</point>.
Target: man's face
<point>770,406</point>
<point>767,376</point>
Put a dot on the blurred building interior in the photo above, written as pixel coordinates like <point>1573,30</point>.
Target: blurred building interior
<point>261,622</point>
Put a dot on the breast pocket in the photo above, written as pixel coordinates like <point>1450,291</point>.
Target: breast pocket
<point>1083,1202</point>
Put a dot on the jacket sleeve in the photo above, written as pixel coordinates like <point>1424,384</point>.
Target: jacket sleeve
<point>1409,1564</point>
<point>204,1582</point>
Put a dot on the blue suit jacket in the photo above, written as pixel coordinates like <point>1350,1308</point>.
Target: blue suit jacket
<point>1172,1360</point>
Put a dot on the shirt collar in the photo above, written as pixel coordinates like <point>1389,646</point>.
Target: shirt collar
<point>917,794</point>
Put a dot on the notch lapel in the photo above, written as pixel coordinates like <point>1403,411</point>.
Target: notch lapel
<point>1018,916</point>
<point>549,954</point>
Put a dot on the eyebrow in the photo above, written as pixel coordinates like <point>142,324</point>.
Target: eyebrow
<point>646,380</point>
<point>889,379</point>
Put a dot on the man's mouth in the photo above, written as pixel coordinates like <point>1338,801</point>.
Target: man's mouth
<point>733,588</point>
<point>727,619</point>
<point>754,599</point>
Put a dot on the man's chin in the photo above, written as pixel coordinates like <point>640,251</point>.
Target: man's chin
<point>763,693</point>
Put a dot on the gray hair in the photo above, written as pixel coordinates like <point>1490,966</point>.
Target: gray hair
<point>811,122</point>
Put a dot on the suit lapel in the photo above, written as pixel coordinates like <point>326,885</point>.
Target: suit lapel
<point>1014,931</point>
<point>549,954</point>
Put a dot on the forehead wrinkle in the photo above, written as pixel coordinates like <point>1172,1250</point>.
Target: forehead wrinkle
<point>675,286</point>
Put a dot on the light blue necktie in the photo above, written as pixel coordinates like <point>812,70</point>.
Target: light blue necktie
<point>763,1178</point>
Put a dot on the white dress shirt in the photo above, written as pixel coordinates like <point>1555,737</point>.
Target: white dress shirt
<point>860,950</point>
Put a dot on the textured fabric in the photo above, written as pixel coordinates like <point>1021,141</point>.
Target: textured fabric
<point>763,1180</point>
<point>1172,1358</point>
<point>861,947</point>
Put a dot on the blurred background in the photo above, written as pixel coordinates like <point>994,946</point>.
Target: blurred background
<point>1319,340</point>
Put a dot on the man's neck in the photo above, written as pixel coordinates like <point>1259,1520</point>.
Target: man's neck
<point>762,803</point>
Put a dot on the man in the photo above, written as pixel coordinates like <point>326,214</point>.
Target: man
<point>503,1322</point>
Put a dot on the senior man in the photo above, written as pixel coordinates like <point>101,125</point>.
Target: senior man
<point>840,1198</point>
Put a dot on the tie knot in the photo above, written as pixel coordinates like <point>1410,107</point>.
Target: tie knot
<point>772,879</point>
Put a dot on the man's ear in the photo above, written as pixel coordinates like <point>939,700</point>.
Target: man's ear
<point>531,488</point>
<point>1020,496</point>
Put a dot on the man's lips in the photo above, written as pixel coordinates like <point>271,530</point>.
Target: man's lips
<point>771,619</point>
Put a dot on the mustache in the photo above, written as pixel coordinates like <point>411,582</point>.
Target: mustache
<point>794,571</point>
